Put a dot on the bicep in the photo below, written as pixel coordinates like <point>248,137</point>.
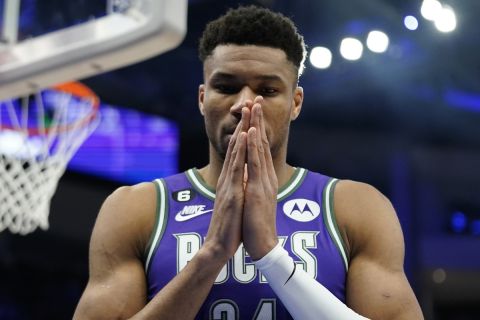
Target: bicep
<point>117,283</point>
<point>118,294</point>
<point>378,292</point>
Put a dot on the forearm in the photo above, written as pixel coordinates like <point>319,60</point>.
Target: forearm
<point>183,296</point>
<point>304,297</point>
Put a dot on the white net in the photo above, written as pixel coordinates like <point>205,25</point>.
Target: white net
<point>37,139</point>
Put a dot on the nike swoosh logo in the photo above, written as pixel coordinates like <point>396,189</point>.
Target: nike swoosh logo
<point>184,217</point>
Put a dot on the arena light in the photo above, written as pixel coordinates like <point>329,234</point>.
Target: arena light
<point>476,227</point>
<point>458,222</point>
<point>10,142</point>
<point>439,275</point>
<point>321,57</point>
<point>411,23</point>
<point>377,41</point>
<point>446,21</point>
<point>13,143</point>
<point>431,9</point>
<point>351,49</point>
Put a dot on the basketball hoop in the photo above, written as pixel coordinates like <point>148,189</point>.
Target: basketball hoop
<point>39,134</point>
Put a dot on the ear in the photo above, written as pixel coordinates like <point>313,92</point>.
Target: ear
<point>296,103</point>
<point>201,96</point>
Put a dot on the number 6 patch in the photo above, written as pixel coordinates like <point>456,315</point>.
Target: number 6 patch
<point>183,195</point>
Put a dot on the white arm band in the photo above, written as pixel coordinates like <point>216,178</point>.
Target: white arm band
<point>304,297</point>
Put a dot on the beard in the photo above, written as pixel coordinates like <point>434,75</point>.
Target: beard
<point>221,141</point>
<point>221,146</point>
<point>218,140</point>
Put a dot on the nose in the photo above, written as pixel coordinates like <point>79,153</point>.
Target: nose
<point>244,98</point>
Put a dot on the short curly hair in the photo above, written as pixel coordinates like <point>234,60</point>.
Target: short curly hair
<point>252,25</point>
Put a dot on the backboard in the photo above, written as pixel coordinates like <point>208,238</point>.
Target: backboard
<point>72,47</point>
<point>44,44</point>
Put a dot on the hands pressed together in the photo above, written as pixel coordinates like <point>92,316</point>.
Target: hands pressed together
<point>245,205</point>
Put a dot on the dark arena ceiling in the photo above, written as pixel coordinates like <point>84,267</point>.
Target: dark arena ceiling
<point>425,87</point>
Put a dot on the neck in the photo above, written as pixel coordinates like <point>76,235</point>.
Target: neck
<point>211,172</point>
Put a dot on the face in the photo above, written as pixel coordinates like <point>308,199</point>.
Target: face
<point>234,74</point>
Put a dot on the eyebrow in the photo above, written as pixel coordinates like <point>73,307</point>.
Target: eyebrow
<point>223,76</point>
<point>228,76</point>
<point>269,78</point>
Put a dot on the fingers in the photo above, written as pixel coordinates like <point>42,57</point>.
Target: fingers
<point>257,121</point>
<point>253,156</point>
<point>248,141</point>
<point>265,143</point>
<point>235,172</point>
<point>228,156</point>
<point>258,99</point>
<point>245,170</point>
<point>246,115</point>
<point>263,132</point>
<point>241,126</point>
<point>259,153</point>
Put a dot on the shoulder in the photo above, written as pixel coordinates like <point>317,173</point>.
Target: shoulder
<point>360,198</point>
<point>126,193</point>
<point>127,216</point>
<point>131,201</point>
<point>367,220</point>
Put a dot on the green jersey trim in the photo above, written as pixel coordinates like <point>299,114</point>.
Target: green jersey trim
<point>157,211</point>
<point>160,221</point>
<point>330,220</point>
<point>292,184</point>
<point>197,181</point>
<point>295,181</point>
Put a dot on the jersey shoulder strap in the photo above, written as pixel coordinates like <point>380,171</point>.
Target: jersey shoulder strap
<point>162,187</point>
<point>330,221</point>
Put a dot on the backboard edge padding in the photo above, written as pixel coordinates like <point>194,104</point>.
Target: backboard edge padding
<point>76,63</point>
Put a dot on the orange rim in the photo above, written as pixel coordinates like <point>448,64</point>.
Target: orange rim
<point>76,89</point>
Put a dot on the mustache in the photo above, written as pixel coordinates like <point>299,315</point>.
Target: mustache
<point>230,129</point>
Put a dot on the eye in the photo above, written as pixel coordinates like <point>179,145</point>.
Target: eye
<point>226,89</point>
<point>268,91</point>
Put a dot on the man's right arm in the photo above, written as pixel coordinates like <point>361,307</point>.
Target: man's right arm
<point>117,285</point>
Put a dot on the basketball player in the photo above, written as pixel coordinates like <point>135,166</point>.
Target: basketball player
<point>248,236</point>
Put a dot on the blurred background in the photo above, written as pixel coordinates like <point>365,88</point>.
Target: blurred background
<point>392,98</point>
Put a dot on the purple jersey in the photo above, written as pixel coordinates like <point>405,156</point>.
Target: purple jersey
<point>306,228</point>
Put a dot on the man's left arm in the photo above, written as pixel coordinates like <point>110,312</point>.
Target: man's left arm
<point>376,283</point>
<point>304,298</point>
